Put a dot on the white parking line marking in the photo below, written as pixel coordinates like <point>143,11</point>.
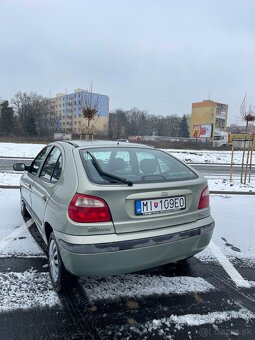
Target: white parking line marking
<point>15,233</point>
<point>139,286</point>
<point>229,268</point>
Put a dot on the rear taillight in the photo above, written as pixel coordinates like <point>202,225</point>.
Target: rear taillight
<point>88,209</point>
<point>204,199</point>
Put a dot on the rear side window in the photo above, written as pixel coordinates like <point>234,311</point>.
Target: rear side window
<point>138,165</point>
<point>51,169</point>
<point>39,160</point>
<point>57,170</point>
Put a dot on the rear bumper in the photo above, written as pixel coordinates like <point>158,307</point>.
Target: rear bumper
<point>86,249</point>
<point>124,256</point>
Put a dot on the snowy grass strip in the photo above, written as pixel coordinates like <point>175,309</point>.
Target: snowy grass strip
<point>8,239</point>
<point>228,267</point>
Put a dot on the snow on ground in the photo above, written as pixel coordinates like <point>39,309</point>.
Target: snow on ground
<point>215,183</point>
<point>234,228</point>
<point>234,235</point>
<point>207,156</point>
<point>18,245</point>
<point>7,178</point>
<point>233,214</point>
<point>10,211</point>
<point>211,318</point>
<point>135,285</point>
<point>20,290</point>
<point>157,327</point>
<point>26,290</point>
<point>31,289</point>
<point>224,184</point>
<point>21,246</point>
<point>20,149</point>
<point>189,156</point>
<point>168,327</point>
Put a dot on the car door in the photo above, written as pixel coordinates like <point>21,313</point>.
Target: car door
<point>45,184</point>
<point>28,177</point>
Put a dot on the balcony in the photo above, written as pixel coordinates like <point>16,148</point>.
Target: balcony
<point>221,115</point>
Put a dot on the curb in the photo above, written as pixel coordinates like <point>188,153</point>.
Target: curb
<point>20,158</point>
<point>9,186</point>
<point>232,192</point>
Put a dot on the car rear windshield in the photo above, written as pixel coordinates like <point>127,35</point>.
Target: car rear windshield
<point>136,165</point>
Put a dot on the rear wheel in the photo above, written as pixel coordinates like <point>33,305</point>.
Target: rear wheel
<point>61,279</point>
<point>23,208</point>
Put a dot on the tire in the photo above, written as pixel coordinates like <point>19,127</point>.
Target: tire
<point>61,279</point>
<point>23,208</point>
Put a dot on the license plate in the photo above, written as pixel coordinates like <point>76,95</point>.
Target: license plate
<point>160,205</point>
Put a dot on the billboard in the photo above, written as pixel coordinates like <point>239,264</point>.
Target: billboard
<point>202,131</point>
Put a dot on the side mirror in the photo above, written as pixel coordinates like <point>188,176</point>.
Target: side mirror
<point>20,167</point>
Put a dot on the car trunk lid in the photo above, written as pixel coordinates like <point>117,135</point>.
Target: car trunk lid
<point>178,200</point>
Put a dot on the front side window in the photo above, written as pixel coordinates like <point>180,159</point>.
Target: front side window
<point>51,169</point>
<point>138,165</point>
<point>37,162</point>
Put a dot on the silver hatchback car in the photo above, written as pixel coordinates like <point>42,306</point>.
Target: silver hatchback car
<point>106,208</point>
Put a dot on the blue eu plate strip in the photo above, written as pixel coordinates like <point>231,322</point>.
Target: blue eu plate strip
<point>138,207</point>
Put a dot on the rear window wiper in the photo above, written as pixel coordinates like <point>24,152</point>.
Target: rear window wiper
<point>106,174</point>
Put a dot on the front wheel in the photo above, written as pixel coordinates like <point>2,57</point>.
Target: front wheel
<point>61,279</point>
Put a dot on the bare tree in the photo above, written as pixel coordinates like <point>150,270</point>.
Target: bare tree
<point>247,113</point>
<point>47,120</point>
<point>138,123</point>
<point>90,111</point>
<point>7,119</point>
<point>22,104</point>
<point>118,124</point>
<point>34,114</point>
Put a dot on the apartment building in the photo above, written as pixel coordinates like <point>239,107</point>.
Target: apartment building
<point>68,108</point>
<point>208,119</point>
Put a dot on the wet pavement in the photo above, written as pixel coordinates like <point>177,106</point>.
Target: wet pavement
<point>222,313</point>
<point>130,306</point>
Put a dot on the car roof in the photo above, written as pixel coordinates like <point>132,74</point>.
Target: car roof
<point>103,143</point>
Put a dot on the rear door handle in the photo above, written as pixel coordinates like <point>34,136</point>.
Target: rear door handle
<point>30,186</point>
<point>44,198</point>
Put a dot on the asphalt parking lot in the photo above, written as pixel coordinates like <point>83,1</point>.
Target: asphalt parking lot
<point>222,311</point>
<point>209,296</point>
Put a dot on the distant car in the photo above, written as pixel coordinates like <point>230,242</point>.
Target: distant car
<point>105,208</point>
<point>123,140</point>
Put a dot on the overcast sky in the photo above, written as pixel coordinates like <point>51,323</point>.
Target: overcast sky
<point>156,55</point>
